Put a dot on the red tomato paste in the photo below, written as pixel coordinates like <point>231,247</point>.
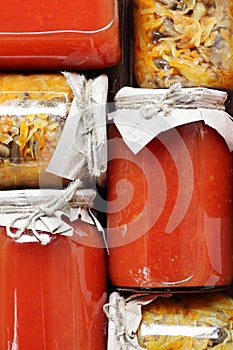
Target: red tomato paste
<point>58,34</point>
<point>52,296</point>
<point>176,229</point>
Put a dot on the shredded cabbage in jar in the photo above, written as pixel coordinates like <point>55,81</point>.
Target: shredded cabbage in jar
<point>33,109</point>
<point>187,322</point>
<point>32,112</point>
<point>185,41</point>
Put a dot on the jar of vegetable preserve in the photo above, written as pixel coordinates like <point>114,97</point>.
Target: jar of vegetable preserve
<point>51,36</point>
<point>170,190</point>
<point>51,296</point>
<point>185,322</point>
<point>183,41</point>
<point>41,121</point>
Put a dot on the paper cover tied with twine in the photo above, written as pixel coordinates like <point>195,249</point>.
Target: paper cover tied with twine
<point>165,321</point>
<point>124,317</point>
<point>81,151</point>
<point>141,114</point>
<point>41,212</point>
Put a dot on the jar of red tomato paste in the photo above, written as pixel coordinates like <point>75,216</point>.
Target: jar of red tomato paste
<point>59,35</point>
<point>53,273</point>
<point>170,189</point>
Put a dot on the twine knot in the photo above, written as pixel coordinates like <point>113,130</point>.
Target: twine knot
<point>173,98</point>
<point>85,103</point>
<point>31,214</point>
<point>116,313</point>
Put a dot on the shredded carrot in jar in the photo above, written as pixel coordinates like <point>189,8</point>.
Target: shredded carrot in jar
<point>33,109</point>
<point>186,41</point>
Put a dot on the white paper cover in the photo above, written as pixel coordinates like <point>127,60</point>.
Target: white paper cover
<point>81,150</point>
<point>198,317</point>
<point>148,113</point>
<point>17,206</point>
<point>124,317</point>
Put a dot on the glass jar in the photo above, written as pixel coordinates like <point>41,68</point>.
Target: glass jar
<point>36,109</point>
<point>170,222</point>
<point>50,35</point>
<point>183,41</point>
<point>185,321</point>
<point>51,296</point>
<point>33,112</point>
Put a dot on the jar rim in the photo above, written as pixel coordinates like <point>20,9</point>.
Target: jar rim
<point>218,97</point>
<point>35,197</point>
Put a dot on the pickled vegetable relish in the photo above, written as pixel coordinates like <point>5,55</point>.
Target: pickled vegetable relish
<point>187,322</point>
<point>186,41</point>
<point>33,110</point>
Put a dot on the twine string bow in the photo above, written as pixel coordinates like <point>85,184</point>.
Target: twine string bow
<point>32,214</point>
<point>83,93</point>
<point>174,98</point>
<point>118,317</point>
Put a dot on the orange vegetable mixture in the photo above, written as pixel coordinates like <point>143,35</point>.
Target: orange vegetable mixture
<point>187,322</point>
<point>187,41</point>
<point>33,109</point>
